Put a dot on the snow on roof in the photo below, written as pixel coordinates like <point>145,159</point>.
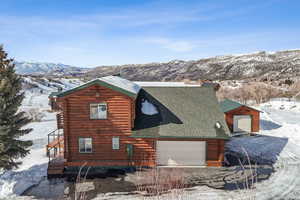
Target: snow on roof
<point>121,83</point>
<point>130,88</point>
<point>165,84</point>
<point>148,108</point>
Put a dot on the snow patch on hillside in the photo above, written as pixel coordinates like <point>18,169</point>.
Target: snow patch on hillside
<point>41,68</point>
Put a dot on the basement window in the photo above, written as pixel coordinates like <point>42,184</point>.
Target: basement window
<point>98,111</point>
<point>85,145</point>
<point>115,143</point>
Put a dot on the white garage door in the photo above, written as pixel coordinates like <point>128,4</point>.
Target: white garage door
<point>181,153</point>
<point>241,123</point>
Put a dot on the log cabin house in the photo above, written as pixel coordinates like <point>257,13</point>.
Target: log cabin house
<point>240,118</point>
<point>112,122</point>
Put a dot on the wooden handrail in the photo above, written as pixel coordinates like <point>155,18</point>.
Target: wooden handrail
<point>56,136</point>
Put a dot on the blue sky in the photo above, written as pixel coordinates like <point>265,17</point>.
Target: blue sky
<point>88,33</point>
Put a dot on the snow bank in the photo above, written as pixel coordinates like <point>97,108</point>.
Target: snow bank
<point>148,108</point>
<point>282,104</point>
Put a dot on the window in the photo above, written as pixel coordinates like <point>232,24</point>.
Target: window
<point>115,143</point>
<point>85,145</point>
<point>98,111</point>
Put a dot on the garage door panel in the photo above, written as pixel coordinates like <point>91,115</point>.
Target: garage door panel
<point>189,153</point>
<point>242,123</point>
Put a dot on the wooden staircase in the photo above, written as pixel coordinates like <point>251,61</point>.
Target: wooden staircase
<point>55,152</point>
<point>55,168</point>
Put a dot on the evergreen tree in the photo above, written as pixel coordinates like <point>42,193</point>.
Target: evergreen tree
<point>11,120</point>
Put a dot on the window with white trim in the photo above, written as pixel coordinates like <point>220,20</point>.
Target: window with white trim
<point>85,145</point>
<point>115,143</point>
<point>98,111</point>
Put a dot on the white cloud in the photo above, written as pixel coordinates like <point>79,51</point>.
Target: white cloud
<point>174,45</point>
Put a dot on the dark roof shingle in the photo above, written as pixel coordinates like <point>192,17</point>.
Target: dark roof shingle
<point>183,112</point>
<point>228,105</point>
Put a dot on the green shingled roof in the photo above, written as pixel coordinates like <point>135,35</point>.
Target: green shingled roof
<point>228,105</point>
<point>183,112</point>
<point>53,94</point>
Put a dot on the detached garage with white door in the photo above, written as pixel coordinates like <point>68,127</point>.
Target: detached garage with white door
<point>239,117</point>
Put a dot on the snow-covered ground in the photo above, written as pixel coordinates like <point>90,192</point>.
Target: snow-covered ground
<point>34,166</point>
<point>280,144</point>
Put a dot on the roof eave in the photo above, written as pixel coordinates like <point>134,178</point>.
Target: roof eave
<point>101,83</point>
<point>181,137</point>
<point>242,106</point>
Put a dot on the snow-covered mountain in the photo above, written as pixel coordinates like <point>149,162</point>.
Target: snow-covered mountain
<point>39,68</point>
<point>261,65</point>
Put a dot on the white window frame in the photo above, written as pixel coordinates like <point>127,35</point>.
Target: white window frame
<point>85,144</point>
<point>101,114</point>
<point>115,141</point>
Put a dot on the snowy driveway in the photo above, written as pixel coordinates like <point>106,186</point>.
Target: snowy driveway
<point>262,149</point>
<point>280,144</point>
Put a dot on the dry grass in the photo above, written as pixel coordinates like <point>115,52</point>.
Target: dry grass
<point>80,193</point>
<point>249,179</point>
<point>155,182</point>
<point>171,183</point>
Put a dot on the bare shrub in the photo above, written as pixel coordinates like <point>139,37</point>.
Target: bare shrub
<point>27,85</point>
<point>249,179</point>
<point>152,183</point>
<point>295,88</point>
<point>80,193</point>
<point>257,92</point>
<point>35,114</point>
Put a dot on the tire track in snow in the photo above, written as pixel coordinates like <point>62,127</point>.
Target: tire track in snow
<point>285,181</point>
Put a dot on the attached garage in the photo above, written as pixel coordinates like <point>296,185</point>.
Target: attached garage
<point>181,153</point>
<point>242,123</point>
<point>188,128</point>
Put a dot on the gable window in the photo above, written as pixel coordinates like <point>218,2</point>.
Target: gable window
<point>85,145</point>
<point>98,111</point>
<point>115,143</point>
